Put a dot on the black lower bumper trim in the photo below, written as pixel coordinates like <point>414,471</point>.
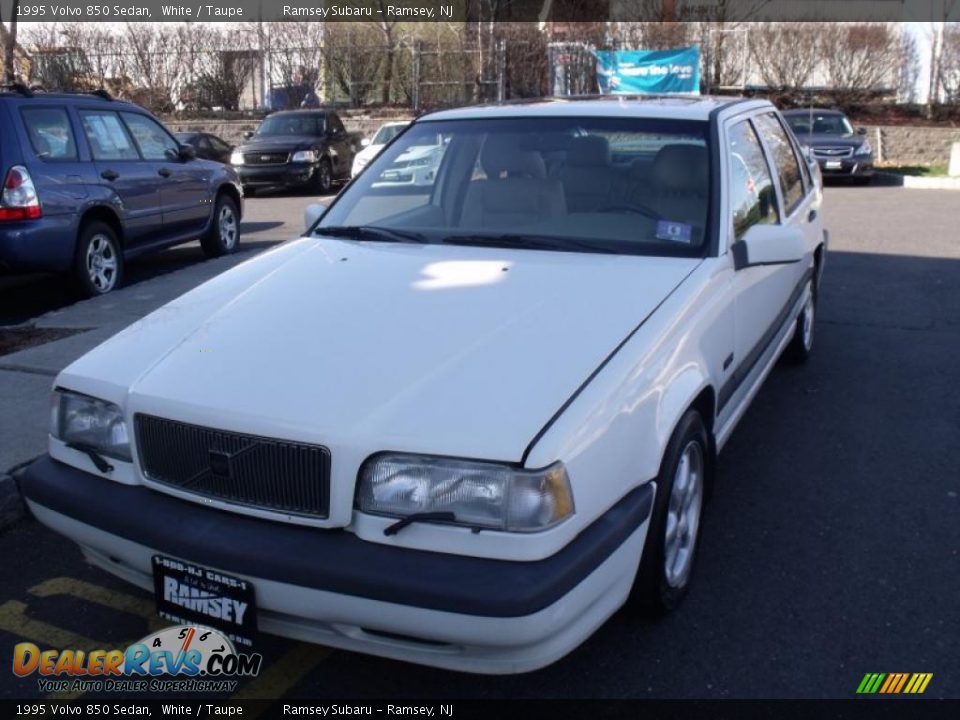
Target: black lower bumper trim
<point>332,560</point>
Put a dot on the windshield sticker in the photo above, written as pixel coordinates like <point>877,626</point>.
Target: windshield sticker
<point>675,231</point>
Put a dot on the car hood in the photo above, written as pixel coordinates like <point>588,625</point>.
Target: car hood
<point>367,154</point>
<point>826,140</point>
<point>289,143</point>
<point>374,346</point>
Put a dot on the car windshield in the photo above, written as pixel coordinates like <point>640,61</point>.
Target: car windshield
<point>386,134</point>
<point>617,185</point>
<point>299,124</point>
<point>820,124</point>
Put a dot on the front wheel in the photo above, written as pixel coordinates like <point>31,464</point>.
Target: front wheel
<point>223,237</point>
<point>98,268</point>
<point>324,177</point>
<point>673,537</point>
<point>801,346</point>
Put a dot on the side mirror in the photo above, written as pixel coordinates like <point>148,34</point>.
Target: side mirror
<point>187,152</point>
<point>312,213</point>
<point>248,134</point>
<point>861,131</point>
<point>769,245</point>
<point>365,142</point>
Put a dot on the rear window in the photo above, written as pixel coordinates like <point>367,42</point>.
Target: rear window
<point>50,133</point>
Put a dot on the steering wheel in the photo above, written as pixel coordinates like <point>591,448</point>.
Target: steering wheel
<point>631,208</point>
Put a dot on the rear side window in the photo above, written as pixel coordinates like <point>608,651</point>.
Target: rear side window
<point>154,142</point>
<point>108,138</point>
<point>50,133</point>
<point>753,200</point>
<point>784,158</point>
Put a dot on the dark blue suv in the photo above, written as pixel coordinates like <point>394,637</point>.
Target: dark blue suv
<point>90,182</point>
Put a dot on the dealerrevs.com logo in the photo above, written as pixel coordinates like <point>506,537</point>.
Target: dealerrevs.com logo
<point>184,658</point>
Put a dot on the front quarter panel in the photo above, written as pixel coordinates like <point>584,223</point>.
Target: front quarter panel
<point>613,435</point>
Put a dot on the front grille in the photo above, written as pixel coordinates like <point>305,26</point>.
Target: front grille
<point>265,158</point>
<point>833,152</point>
<point>265,473</point>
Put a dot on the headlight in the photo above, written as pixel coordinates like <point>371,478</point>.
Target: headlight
<point>89,423</point>
<point>864,149</point>
<point>307,156</point>
<point>236,158</point>
<point>483,495</point>
<point>359,164</point>
<point>420,162</point>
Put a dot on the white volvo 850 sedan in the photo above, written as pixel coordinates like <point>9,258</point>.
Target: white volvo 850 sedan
<point>459,423</point>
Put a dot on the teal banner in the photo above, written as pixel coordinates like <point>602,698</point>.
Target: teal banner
<point>633,72</point>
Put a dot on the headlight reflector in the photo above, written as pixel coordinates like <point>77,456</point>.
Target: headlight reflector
<point>479,494</point>
<point>236,158</point>
<point>91,423</point>
<point>307,156</point>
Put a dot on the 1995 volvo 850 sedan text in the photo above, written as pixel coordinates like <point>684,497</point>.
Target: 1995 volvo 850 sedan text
<point>458,423</point>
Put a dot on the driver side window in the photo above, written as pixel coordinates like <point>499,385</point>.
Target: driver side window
<point>753,199</point>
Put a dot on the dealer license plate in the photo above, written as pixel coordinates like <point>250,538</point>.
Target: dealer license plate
<point>190,594</point>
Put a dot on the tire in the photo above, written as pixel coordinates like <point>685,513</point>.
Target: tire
<point>98,268</point>
<point>666,567</point>
<point>801,346</point>
<point>323,180</point>
<point>223,237</point>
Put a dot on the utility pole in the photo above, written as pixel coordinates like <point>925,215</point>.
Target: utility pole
<point>10,59</point>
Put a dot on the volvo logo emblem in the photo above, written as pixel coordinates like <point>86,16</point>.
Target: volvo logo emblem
<point>220,463</point>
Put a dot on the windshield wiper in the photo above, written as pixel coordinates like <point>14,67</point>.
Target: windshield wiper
<point>527,242</point>
<point>371,232</point>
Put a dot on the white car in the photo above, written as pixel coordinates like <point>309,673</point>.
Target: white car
<point>386,133</point>
<point>462,427</point>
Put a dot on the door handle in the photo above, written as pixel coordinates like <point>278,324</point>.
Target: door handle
<point>812,216</point>
<point>109,175</point>
<point>163,172</point>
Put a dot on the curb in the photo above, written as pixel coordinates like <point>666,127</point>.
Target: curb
<point>918,183</point>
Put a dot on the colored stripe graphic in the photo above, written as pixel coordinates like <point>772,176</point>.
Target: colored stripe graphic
<point>894,683</point>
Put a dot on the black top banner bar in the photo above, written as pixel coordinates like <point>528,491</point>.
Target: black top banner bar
<point>458,11</point>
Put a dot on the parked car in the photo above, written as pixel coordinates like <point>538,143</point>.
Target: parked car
<point>417,166</point>
<point>371,146</point>
<point>483,420</point>
<point>90,182</point>
<point>207,145</point>
<point>295,149</point>
<point>839,150</point>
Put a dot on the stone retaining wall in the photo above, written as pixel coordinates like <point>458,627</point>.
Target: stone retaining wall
<point>909,145</point>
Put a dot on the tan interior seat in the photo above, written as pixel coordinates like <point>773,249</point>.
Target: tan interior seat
<point>516,191</point>
<point>589,181</point>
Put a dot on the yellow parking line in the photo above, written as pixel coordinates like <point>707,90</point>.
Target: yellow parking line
<point>100,595</point>
<point>14,619</point>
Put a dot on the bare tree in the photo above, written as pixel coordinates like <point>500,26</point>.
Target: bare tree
<point>10,44</point>
<point>950,63</point>
<point>785,54</point>
<point>156,61</point>
<point>860,59</point>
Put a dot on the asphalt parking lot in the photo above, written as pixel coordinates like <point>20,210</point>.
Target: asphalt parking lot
<point>831,548</point>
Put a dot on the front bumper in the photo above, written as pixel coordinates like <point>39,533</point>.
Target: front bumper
<point>330,587</point>
<point>846,167</point>
<point>292,175</point>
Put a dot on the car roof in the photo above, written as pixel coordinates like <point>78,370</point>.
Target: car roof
<point>85,98</point>
<point>678,107</point>
<point>807,111</point>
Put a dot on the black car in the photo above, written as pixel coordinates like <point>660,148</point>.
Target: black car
<point>840,150</point>
<point>90,182</point>
<point>207,145</point>
<point>297,148</point>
